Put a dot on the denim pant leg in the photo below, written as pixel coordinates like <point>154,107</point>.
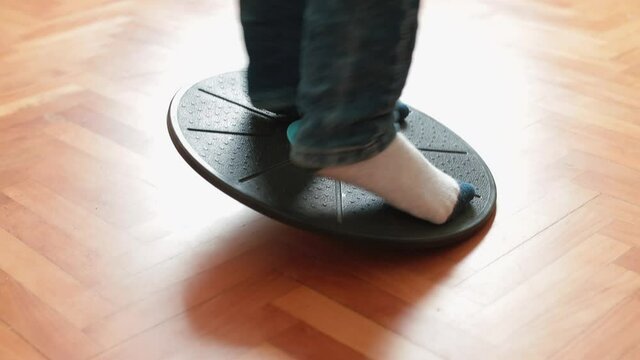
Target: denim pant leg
<point>272,32</point>
<point>354,63</point>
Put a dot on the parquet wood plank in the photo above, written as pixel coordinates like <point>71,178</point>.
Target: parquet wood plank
<point>11,107</point>
<point>14,347</point>
<point>235,316</point>
<point>72,219</point>
<point>530,221</point>
<point>50,283</point>
<point>265,352</point>
<point>500,277</point>
<point>40,325</point>
<point>196,258</point>
<point>348,327</point>
<point>171,301</point>
<point>614,336</point>
<point>630,260</point>
<point>113,129</point>
<point>84,181</point>
<point>623,231</point>
<point>82,260</point>
<point>562,307</point>
<point>92,143</point>
<point>305,342</point>
<point>429,329</point>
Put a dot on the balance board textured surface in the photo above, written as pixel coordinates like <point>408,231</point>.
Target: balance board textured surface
<point>244,151</point>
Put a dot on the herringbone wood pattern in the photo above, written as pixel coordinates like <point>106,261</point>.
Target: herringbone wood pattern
<point>112,248</point>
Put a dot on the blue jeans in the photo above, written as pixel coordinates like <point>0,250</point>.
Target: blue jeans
<point>340,64</point>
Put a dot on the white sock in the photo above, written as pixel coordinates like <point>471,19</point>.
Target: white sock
<point>406,180</point>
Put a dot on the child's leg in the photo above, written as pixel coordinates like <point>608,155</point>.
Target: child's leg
<point>272,32</point>
<point>355,59</point>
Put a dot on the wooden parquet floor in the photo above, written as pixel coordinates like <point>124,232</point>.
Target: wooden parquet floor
<point>112,248</point>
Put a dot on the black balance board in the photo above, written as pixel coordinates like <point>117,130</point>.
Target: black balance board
<point>244,152</point>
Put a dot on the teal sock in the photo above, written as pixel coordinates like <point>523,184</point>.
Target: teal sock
<point>292,130</point>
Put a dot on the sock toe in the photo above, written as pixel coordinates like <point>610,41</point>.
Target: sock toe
<point>467,193</point>
<point>402,109</point>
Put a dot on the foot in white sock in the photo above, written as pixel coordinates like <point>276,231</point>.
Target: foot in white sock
<point>407,181</point>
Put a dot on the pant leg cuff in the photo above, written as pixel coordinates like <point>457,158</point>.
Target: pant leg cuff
<point>322,158</point>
